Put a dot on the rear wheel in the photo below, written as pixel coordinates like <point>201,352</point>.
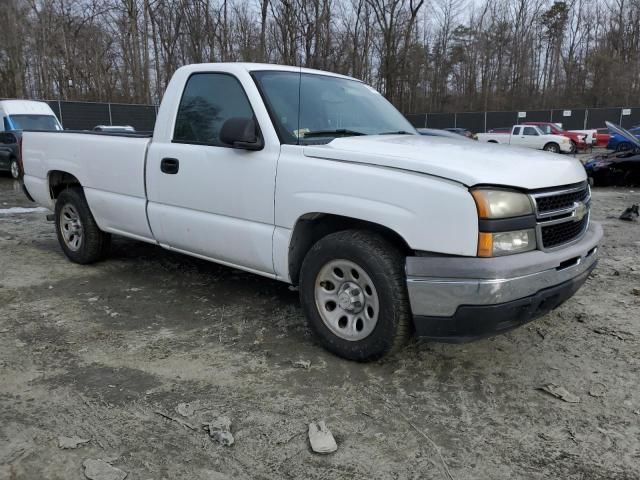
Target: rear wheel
<point>552,147</point>
<point>15,168</point>
<point>79,236</point>
<point>353,292</point>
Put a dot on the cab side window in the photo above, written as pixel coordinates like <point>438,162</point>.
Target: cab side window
<point>208,100</point>
<point>530,131</point>
<point>517,130</point>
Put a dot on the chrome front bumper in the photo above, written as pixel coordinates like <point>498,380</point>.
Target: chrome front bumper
<point>440,285</point>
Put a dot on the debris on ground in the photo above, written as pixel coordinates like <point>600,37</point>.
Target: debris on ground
<point>560,392</point>
<point>185,409</point>
<point>71,442</point>
<point>302,364</point>
<point>174,419</point>
<point>101,470</point>
<point>598,390</point>
<point>636,292</point>
<point>631,214</point>
<point>321,439</point>
<point>220,430</point>
<point>620,335</point>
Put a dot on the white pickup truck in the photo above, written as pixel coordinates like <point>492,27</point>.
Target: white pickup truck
<point>316,180</point>
<point>529,136</point>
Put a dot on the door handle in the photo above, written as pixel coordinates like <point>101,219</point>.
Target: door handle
<point>170,166</point>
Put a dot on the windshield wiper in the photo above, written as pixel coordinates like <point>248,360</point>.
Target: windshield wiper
<point>328,133</point>
<point>397,132</point>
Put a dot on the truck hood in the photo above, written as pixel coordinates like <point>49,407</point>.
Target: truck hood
<point>465,161</point>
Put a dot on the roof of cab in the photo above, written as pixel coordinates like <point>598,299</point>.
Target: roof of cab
<point>254,67</point>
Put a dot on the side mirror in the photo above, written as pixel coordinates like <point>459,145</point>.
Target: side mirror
<point>241,132</point>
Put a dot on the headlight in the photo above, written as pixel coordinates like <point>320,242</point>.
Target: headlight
<point>501,203</point>
<point>505,243</point>
<point>494,206</point>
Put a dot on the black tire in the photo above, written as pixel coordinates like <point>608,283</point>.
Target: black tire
<point>94,244</point>
<point>14,168</point>
<point>552,147</point>
<point>384,264</point>
<point>491,141</point>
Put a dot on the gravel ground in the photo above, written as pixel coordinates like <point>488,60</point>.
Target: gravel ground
<point>102,352</point>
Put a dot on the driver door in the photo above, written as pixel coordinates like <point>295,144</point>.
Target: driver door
<point>531,137</point>
<point>206,198</point>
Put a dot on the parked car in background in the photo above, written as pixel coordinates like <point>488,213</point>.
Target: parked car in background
<point>114,128</point>
<point>529,136</point>
<point>10,153</point>
<point>578,140</point>
<point>18,115</point>
<point>462,131</point>
<point>616,168</point>
<point>437,132</point>
<point>589,136</point>
<point>602,137</point>
<point>620,143</point>
<point>620,168</point>
<point>383,230</point>
<point>27,115</point>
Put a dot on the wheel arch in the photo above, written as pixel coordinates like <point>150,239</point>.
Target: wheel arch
<point>59,180</point>
<point>311,227</point>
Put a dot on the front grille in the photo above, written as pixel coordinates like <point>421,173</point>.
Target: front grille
<point>554,235</point>
<point>549,202</point>
<point>557,213</point>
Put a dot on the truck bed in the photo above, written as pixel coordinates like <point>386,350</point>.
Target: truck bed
<point>110,167</point>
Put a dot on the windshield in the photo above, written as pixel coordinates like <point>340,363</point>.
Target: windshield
<point>549,129</point>
<point>34,122</point>
<point>328,107</point>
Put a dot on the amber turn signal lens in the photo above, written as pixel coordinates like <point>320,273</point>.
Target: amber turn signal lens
<point>485,244</point>
<point>481,203</point>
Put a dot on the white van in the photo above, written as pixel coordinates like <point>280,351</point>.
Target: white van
<point>27,115</point>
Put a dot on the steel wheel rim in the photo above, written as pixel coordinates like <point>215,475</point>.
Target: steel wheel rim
<point>15,170</point>
<point>347,300</point>
<point>71,227</point>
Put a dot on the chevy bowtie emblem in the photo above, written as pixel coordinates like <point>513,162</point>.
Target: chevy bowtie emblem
<point>580,210</point>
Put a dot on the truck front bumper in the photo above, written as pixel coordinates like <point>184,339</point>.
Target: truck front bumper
<point>458,299</point>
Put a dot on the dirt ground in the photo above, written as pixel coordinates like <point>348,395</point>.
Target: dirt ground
<point>97,351</point>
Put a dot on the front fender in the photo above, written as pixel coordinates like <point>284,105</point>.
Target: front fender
<point>430,213</point>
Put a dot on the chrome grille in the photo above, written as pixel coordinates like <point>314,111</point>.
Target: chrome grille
<point>550,203</point>
<point>562,215</point>
<point>560,233</point>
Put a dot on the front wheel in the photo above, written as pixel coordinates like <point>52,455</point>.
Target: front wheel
<point>552,147</point>
<point>353,292</point>
<point>15,168</point>
<point>78,233</point>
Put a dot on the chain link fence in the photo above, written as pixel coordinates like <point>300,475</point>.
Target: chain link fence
<point>86,115</point>
<point>574,119</point>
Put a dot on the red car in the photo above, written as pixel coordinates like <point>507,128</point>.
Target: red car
<point>602,137</point>
<point>577,139</point>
